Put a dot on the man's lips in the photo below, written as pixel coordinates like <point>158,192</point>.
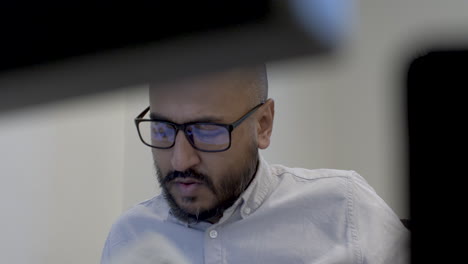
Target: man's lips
<point>187,181</point>
<point>187,186</point>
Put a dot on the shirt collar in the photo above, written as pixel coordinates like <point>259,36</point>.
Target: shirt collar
<point>259,189</point>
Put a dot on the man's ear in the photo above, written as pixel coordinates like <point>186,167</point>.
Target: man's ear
<point>265,124</point>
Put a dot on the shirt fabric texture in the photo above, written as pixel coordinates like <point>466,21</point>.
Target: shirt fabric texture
<point>286,215</point>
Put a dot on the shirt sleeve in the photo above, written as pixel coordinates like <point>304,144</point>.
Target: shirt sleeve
<point>378,231</point>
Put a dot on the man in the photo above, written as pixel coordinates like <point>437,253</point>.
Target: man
<point>222,202</point>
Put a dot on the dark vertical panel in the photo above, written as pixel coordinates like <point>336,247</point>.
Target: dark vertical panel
<point>437,121</point>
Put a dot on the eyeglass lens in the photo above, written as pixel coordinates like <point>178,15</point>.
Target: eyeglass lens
<point>207,137</point>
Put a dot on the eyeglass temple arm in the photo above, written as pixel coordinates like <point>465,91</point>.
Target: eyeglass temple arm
<point>238,122</point>
<point>143,113</point>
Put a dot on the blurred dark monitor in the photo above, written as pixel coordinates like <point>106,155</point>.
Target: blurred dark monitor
<point>436,87</point>
<point>54,50</point>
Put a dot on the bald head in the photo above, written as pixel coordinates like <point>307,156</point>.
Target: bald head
<point>258,90</point>
<point>248,84</point>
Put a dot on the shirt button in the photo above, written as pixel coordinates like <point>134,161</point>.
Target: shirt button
<point>213,233</point>
<point>247,210</point>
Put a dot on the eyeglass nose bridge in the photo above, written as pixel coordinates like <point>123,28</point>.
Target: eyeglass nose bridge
<point>183,128</point>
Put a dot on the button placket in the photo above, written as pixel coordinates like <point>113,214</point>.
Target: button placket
<point>213,245</point>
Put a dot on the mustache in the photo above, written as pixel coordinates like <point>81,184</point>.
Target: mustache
<point>171,176</point>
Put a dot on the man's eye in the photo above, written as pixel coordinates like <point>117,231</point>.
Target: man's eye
<point>209,131</point>
<point>201,127</point>
<point>162,131</point>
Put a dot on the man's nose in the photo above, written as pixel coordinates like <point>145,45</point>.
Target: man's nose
<point>184,156</point>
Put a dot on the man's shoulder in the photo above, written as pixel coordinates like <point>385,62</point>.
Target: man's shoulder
<point>303,174</point>
<point>311,182</point>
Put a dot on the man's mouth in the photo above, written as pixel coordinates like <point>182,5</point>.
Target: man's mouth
<point>187,181</point>
<point>187,186</point>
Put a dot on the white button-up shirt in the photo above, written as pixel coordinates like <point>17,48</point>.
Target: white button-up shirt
<point>286,215</point>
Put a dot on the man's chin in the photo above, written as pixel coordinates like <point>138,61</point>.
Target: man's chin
<point>196,208</point>
<point>192,207</point>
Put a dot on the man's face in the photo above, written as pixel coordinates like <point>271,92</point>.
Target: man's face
<point>200,185</point>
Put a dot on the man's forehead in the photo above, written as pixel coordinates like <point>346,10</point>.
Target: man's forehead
<point>191,111</point>
<point>202,98</point>
<point>191,118</point>
<point>198,105</point>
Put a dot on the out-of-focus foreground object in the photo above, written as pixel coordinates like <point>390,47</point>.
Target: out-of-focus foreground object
<point>53,50</point>
<point>152,248</point>
<point>436,98</point>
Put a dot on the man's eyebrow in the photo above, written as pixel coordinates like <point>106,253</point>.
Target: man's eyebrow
<point>203,119</point>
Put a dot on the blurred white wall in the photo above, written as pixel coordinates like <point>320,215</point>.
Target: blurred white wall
<point>139,180</point>
<point>61,180</point>
<point>69,169</point>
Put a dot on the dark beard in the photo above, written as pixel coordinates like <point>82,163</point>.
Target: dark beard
<point>228,192</point>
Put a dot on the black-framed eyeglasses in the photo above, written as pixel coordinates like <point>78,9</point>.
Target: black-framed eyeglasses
<point>203,136</point>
